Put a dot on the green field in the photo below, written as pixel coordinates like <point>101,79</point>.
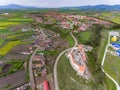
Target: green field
<point>47,52</point>
<point>19,34</point>
<point>109,84</point>
<point>5,31</point>
<point>103,44</point>
<point>83,37</point>
<point>1,41</point>
<point>112,66</point>
<point>16,66</point>
<point>70,40</point>
<point>5,49</point>
<point>112,16</point>
<point>12,20</point>
<point>21,20</point>
<point>6,24</point>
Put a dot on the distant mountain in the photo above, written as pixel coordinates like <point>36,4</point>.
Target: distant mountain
<point>96,7</point>
<point>15,6</point>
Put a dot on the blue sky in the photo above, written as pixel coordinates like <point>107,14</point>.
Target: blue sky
<point>59,3</point>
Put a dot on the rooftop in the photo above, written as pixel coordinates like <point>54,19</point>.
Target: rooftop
<point>113,33</point>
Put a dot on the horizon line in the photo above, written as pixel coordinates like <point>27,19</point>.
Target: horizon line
<point>57,7</point>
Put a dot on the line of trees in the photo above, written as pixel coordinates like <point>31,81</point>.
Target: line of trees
<point>95,35</point>
<point>94,66</point>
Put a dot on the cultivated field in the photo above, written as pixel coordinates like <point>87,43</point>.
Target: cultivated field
<point>5,49</point>
<point>112,16</point>
<point>12,81</point>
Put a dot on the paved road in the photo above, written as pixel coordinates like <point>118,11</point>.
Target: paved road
<point>55,65</point>
<point>32,83</point>
<point>76,42</point>
<point>116,83</point>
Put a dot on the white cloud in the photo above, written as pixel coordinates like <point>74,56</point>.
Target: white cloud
<point>58,3</point>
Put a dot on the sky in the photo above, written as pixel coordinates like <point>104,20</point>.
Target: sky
<point>58,3</point>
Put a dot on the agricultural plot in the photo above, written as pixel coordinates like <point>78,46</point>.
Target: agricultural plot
<point>14,54</point>
<point>5,24</point>
<point>9,68</point>
<point>112,16</point>
<point>13,20</point>
<point>13,80</point>
<point>1,41</point>
<point>5,49</point>
<point>21,20</point>
<point>20,34</point>
<point>2,27</point>
<point>5,31</point>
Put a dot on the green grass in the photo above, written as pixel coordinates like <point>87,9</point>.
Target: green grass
<point>111,49</point>
<point>103,44</point>
<point>116,20</point>
<point>83,37</point>
<point>69,80</point>
<point>1,41</point>
<point>70,40</point>
<point>16,66</point>
<point>47,52</point>
<point>5,31</point>
<point>112,16</point>
<point>109,84</point>
<point>21,20</point>
<point>19,34</point>
<point>7,24</point>
<point>112,66</point>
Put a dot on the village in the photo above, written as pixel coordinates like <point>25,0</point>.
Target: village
<point>67,21</point>
<point>38,57</point>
